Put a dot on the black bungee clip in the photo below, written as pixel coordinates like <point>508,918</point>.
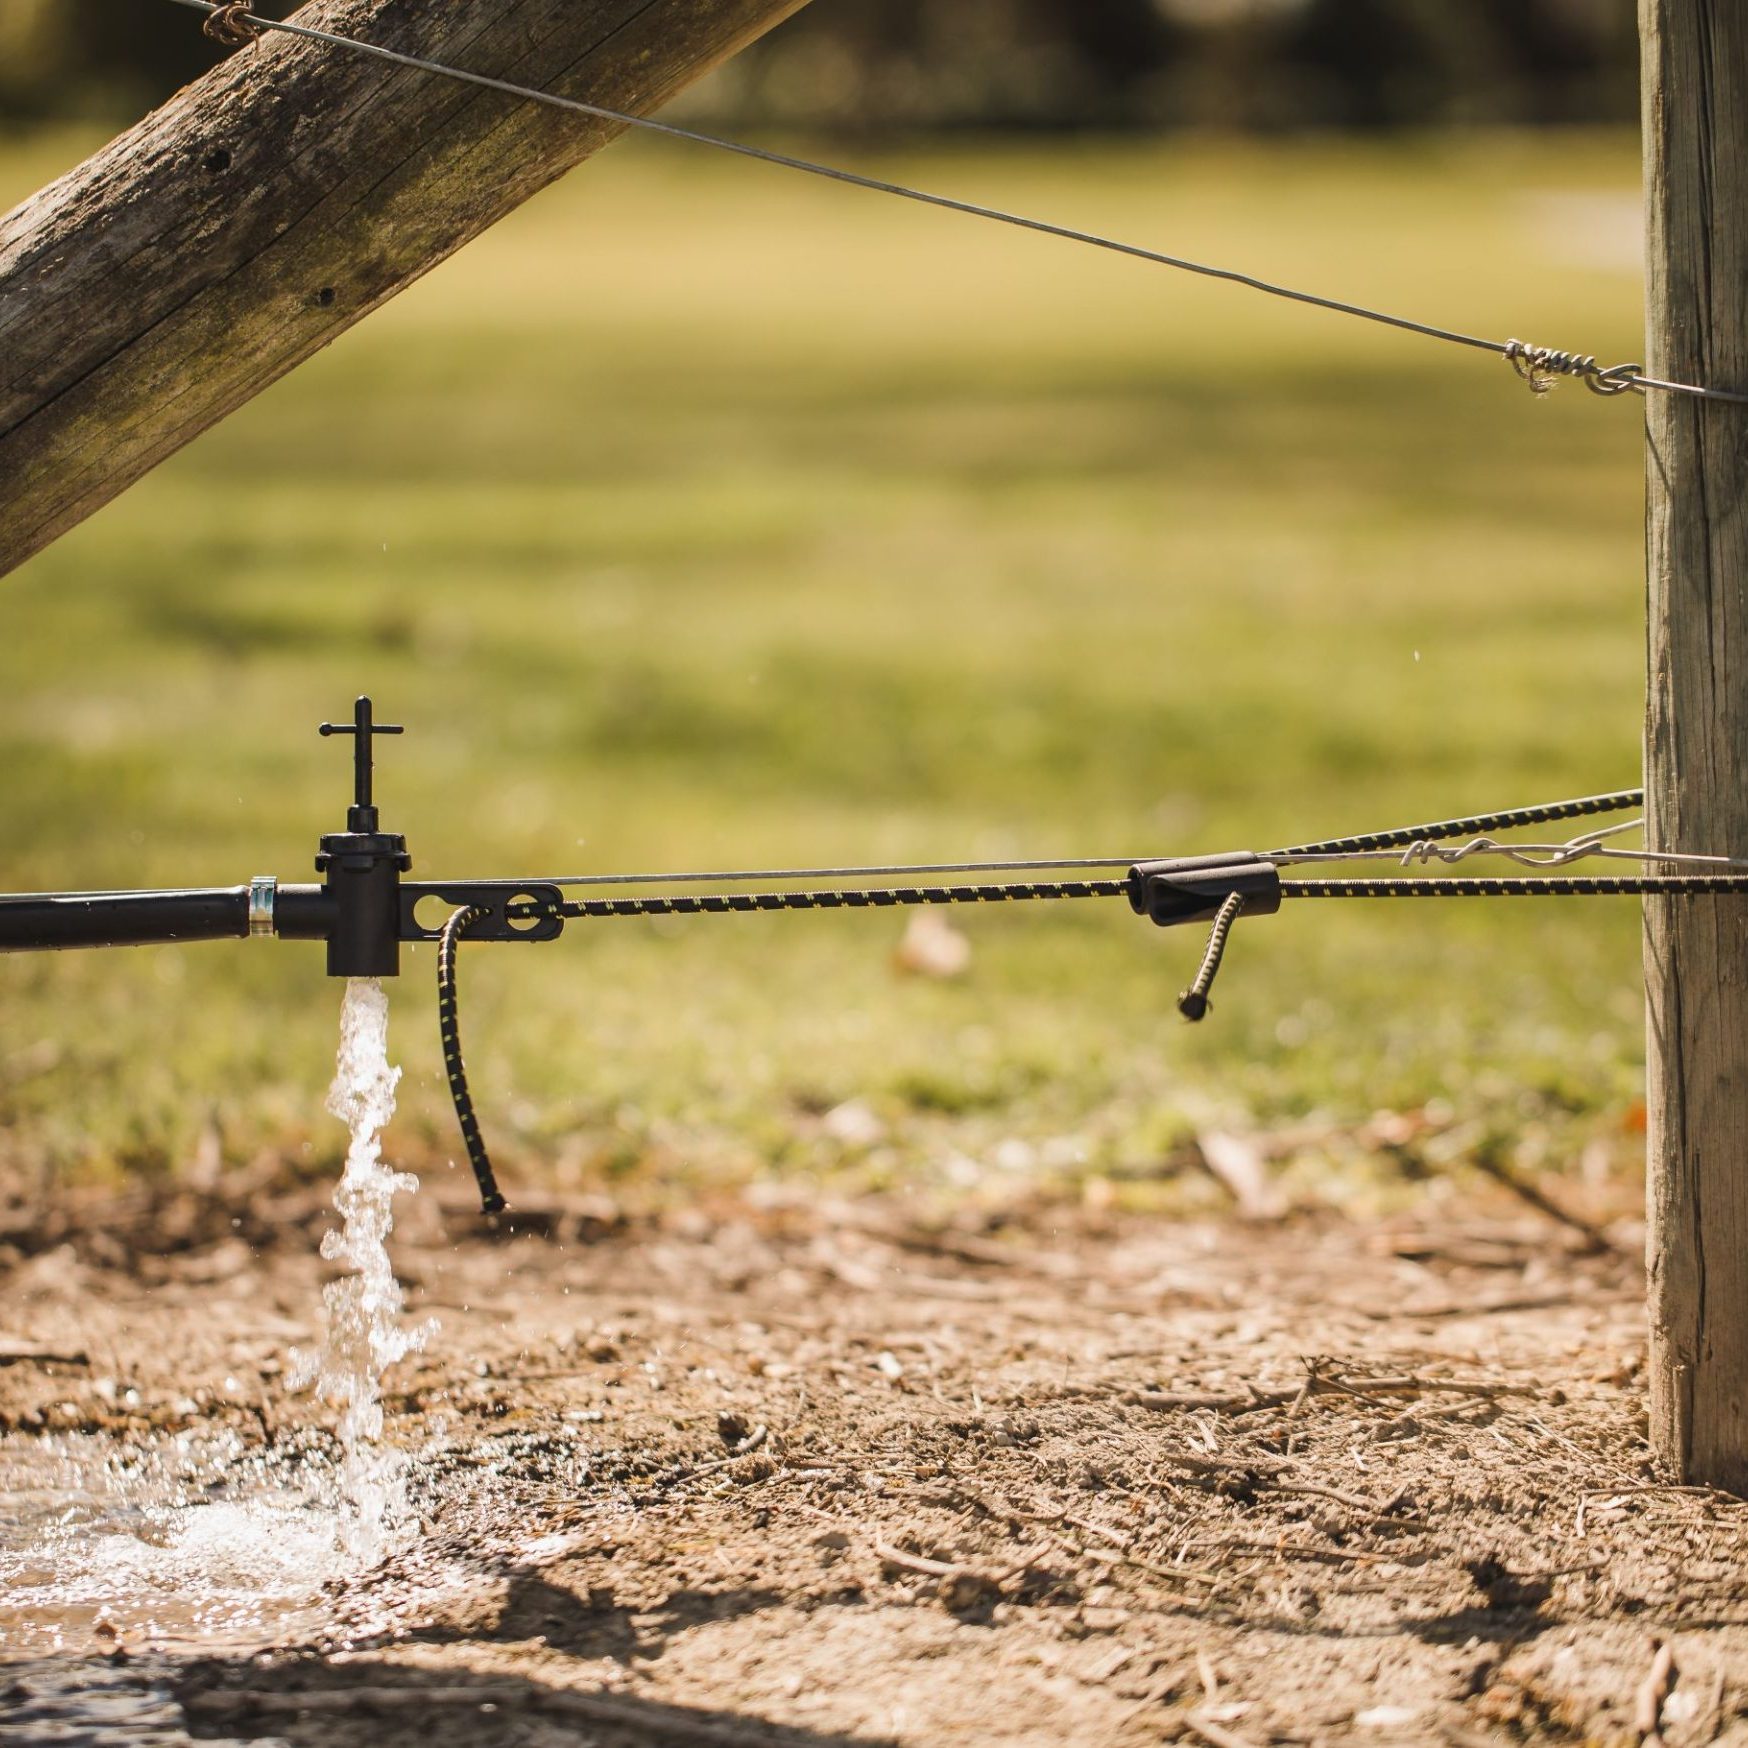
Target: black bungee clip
<point>1211,889</point>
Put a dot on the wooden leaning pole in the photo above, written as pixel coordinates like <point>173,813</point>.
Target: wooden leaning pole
<point>262,211</point>
<point>1695,101</point>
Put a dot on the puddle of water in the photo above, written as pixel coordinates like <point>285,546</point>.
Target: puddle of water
<point>82,1702</point>
<point>189,1540</point>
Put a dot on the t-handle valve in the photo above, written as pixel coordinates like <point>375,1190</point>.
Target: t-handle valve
<point>363,867</point>
<point>362,815</point>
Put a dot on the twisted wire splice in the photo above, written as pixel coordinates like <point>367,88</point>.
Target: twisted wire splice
<point>229,24</point>
<point>1540,365</point>
<point>1403,837</point>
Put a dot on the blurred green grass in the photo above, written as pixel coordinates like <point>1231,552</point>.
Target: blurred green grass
<point>701,515</point>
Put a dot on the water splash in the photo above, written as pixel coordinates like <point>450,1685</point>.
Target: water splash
<point>203,1537</point>
<point>364,1331</point>
<point>194,1538</point>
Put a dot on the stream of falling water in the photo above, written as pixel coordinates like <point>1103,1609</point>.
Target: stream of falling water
<point>202,1538</point>
<point>365,1333</point>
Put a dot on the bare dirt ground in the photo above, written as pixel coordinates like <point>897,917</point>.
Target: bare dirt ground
<point>794,1475</point>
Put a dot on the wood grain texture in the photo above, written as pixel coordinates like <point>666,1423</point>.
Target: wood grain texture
<point>1695,98</point>
<point>279,199</point>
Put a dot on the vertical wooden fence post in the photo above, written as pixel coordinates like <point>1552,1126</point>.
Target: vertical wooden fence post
<point>1695,119</point>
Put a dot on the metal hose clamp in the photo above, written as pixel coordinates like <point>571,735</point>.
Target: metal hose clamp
<point>262,890</point>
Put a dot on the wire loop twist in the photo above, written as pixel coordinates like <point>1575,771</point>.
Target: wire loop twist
<point>229,23</point>
<point>1540,366</point>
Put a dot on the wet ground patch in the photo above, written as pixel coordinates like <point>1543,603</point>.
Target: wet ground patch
<point>810,1475</point>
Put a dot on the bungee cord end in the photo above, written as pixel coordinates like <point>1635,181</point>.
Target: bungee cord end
<point>491,1198</point>
<point>1193,1004</point>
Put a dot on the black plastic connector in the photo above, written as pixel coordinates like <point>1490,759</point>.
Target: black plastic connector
<point>363,866</point>
<point>362,880</point>
<point>1191,889</point>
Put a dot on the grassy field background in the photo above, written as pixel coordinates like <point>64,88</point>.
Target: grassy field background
<point>705,515</point>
